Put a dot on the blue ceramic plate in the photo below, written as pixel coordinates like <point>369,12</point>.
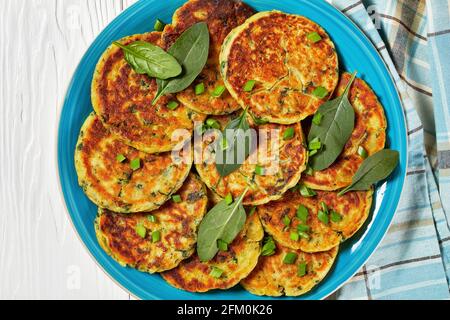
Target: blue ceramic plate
<point>356,53</point>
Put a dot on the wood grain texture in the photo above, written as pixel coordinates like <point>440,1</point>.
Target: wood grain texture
<point>41,43</point>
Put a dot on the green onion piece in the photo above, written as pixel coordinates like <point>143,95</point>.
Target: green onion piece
<point>302,213</point>
<point>176,198</point>
<point>135,164</point>
<point>249,86</point>
<point>218,91</point>
<point>252,211</point>
<point>212,123</point>
<point>304,235</point>
<point>269,247</point>
<point>309,171</point>
<point>303,228</point>
<point>151,218</point>
<point>199,89</point>
<point>259,170</point>
<point>121,158</point>
<point>229,199</point>
<point>301,271</point>
<point>306,192</point>
<point>362,152</point>
<point>320,92</point>
<point>314,37</point>
<point>312,153</point>
<point>324,207</point>
<point>222,245</point>
<point>290,258</point>
<point>289,133</point>
<point>317,119</point>
<point>225,144</point>
<point>216,272</point>
<point>295,236</point>
<point>335,217</point>
<point>286,221</point>
<point>141,231</point>
<point>159,25</point>
<point>315,144</point>
<point>156,236</point>
<point>172,105</point>
<point>323,217</point>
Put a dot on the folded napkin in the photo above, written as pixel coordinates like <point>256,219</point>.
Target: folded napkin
<point>413,261</point>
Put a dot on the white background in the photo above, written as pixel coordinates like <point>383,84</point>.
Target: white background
<point>41,43</point>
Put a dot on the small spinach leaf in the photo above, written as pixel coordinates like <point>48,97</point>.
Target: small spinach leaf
<point>224,222</point>
<point>375,168</point>
<point>191,50</point>
<point>334,130</point>
<point>146,58</point>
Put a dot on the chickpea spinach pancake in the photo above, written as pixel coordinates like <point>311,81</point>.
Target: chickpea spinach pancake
<point>286,158</point>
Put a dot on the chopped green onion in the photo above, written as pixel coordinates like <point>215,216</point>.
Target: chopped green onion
<point>135,164</point>
<point>303,228</point>
<point>121,158</point>
<point>309,171</point>
<point>151,218</point>
<point>295,236</point>
<point>302,213</point>
<point>314,37</point>
<point>290,258</point>
<point>172,105</point>
<point>229,199</point>
<point>252,211</point>
<point>259,170</point>
<point>249,86</point>
<point>269,247</point>
<point>323,217</point>
<point>218,91</point>
<point>304,235</point>
<point>216,272</point>
<point>159,25</point>
<point>141,231</point>
<point>312,153</point>
<point>222,245</point>
<point>286,221</point>
<point>315,144</point>
<point>362,152</point>
<point>289,133</point>
<point>156,236</point>
<point>335,217</point>
<point>317,119</point>
<point>199,89</point>
<point>212,123</point>
<point>306,192</point>
<point>225,145</point>
<point>176,198</point>
<point>324,207</point>
<point>320,92</point>
<point>301,271</point>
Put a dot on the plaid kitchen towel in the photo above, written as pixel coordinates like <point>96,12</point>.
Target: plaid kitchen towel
<point>413,261</point>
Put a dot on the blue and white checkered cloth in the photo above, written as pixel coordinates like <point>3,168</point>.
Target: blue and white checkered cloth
<point>413,261</point>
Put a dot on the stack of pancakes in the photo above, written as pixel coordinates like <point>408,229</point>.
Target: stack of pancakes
<point>125,162</point>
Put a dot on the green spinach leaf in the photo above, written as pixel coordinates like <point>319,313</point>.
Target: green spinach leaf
<point>334,130</point>
<point>146,58</point>
<point>224,222</point>
<point>230,155</point>
<point>191,50</point>
<point>375,168</point>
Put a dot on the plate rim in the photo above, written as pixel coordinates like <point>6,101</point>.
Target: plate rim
<point>70,85</point>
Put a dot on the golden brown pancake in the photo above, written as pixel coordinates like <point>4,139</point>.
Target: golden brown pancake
<point>272,277</point>
<point>353,207</point>
<point>176,223</point>
<point>113,184</point>
<point>236,263</point>
<point>123,100</point>
<point>369,132</point>
<point>262,188</point>
<point>273,49</point>
<point>221,16</point>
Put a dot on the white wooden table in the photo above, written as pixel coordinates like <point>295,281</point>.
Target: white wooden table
<point>41,43</point>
